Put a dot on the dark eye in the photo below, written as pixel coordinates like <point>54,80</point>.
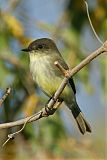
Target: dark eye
<point>40,46</point>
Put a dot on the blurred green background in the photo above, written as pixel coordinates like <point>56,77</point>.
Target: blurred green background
<point>56,137</point>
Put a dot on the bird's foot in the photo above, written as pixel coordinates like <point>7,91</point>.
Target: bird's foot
<point>50,111</point>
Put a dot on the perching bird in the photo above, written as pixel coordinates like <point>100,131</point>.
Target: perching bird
<point>43,53</point>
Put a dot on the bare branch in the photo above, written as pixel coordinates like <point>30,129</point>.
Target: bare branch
<point>92,24</point>
<point>64,71</point>
<point>40,114</point>
<point>7,92</point>
<point>43,112</point>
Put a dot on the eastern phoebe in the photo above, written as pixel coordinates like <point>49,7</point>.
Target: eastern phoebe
<point>43,53</point>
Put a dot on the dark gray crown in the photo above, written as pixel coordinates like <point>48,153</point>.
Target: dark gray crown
<point>41,44</point>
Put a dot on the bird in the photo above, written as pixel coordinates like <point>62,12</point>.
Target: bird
<point>43,52</point>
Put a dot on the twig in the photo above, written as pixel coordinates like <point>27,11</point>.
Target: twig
<point>51,103</point>
<point>11,136</point>
<point>64,71</point>
<point>92,24</point>
<point>40,114</point>
<point>7,92</point>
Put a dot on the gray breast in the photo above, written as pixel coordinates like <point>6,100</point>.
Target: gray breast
<point>41,68</point>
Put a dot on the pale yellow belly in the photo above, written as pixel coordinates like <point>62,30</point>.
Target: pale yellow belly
<point>49,84</point>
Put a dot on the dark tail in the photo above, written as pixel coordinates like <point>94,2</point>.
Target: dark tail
<point>83,125</point>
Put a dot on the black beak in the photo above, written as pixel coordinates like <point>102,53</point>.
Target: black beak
<point>25,50</point>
